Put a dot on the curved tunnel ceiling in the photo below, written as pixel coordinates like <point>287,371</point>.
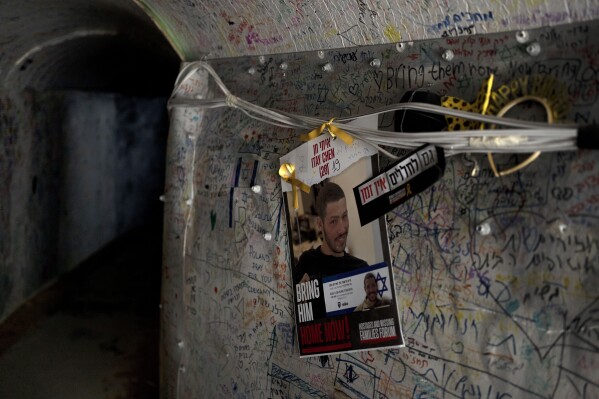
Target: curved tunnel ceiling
<point>231,28</point>
<point>101,45</point>
<point>136,45</point>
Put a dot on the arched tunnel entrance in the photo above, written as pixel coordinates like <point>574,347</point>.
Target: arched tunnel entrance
<point>84,123</point>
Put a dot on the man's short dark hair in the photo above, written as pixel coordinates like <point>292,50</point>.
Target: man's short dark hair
<point>330,192</point>
<point>369,275</point>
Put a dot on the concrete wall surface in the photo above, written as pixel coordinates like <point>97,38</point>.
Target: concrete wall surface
<point>495,276</point>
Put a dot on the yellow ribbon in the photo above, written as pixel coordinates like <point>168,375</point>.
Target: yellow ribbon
<point>287,173</point>
<point>333,130</point>
<point>487,90</point>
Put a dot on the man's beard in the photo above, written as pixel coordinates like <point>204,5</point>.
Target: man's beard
<point>333,243</point>
<point>372,297</point>
<point>370,302</point>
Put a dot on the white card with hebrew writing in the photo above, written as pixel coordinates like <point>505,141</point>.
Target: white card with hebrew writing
<point>325,157</point>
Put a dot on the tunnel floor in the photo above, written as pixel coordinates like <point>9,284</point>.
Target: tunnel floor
<point>92,334</point>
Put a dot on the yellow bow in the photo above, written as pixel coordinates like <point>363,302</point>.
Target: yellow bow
<point>333,131</point>
<point>287,173</point>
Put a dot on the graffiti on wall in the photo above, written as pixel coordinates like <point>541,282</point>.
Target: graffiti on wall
<point>228,29</point>
<point>495,276</point>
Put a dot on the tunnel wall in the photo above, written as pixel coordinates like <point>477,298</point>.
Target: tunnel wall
<point>78,169</point>
<point>507,313</point>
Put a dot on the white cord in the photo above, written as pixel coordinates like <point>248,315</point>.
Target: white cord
<point>525,138</point>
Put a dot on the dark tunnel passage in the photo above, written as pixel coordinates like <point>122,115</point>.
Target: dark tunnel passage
<point>83,92</point>
<point>106,63</point>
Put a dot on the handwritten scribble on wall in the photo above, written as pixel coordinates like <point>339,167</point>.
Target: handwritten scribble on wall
<point>496,277</point>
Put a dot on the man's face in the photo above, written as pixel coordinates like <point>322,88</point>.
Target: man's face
<point>335,227</point>
<point>371,289</point>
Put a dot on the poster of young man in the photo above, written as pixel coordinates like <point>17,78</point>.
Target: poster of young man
<point>344,292</point>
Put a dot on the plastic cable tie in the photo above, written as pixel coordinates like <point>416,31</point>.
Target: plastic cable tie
<point>231,101</point>
<point>496,142</point>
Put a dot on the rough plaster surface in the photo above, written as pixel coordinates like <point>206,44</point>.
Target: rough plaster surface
<point>509,314</point>
<point>198,28</point>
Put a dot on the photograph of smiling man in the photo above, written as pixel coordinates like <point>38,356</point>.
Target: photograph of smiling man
<point>334,260</point>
